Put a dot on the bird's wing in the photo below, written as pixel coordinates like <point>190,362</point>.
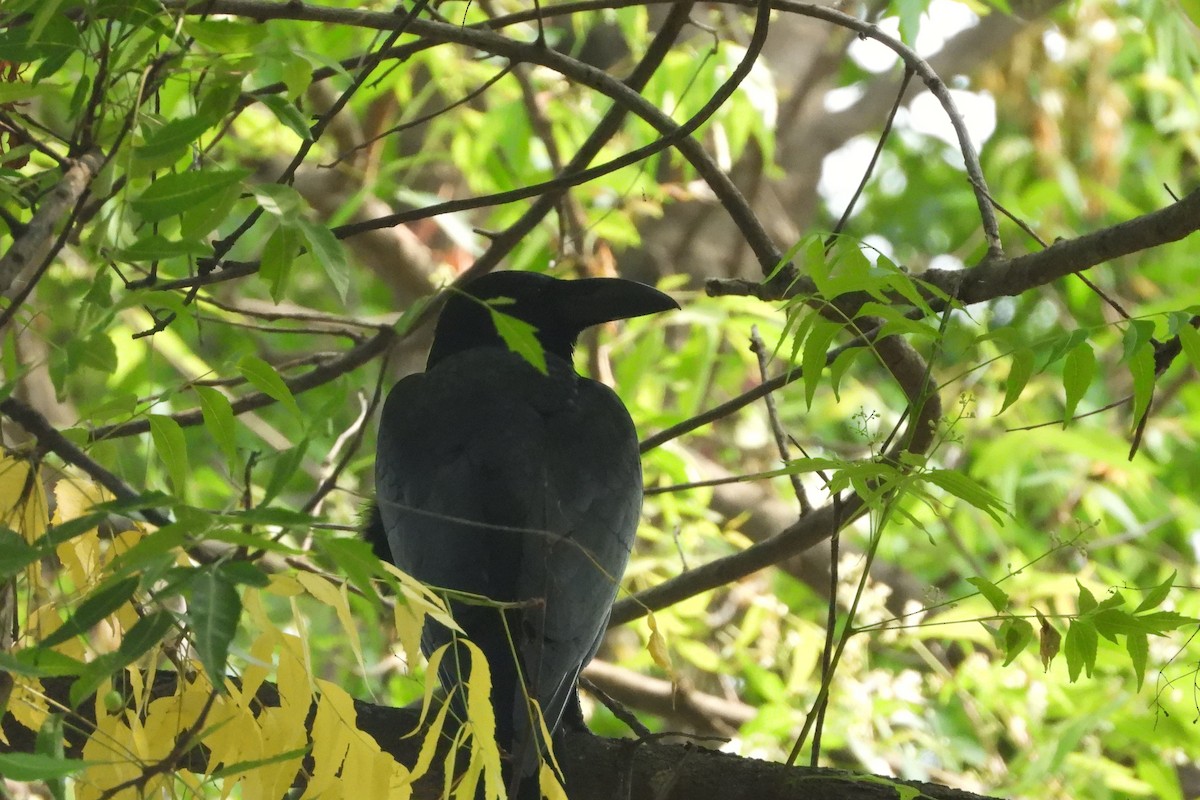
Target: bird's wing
<point>494,480</point>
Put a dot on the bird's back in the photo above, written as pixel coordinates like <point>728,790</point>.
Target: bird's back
<point>495,480</point>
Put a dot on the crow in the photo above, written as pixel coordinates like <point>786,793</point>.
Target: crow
<point>499,478</point>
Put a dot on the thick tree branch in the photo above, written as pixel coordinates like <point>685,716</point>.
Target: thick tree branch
<point>990,279</point>
<point>33,248</point>
<point>596,768</point>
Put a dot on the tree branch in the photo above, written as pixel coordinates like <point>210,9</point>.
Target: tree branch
<point>593,765</point>
<point>332,369</point>
<point>1006,277</point>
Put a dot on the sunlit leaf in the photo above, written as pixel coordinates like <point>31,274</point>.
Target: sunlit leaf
<point>219,421</point>
<point>1080,648</point>
<point>171,447</point>
<point>328,252</point>
<point>991,592</point>
<point>1155,596</point>
<point>1078,371</point>
<point>182,191</point>
<point>264,378</point>
<point>520,337</point>
<point>1019,372</point>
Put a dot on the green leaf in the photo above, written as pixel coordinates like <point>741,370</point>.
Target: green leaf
<point>96,352</point>
<point>815,265</point>
<point>910,18</point>
<point>1141,365</point>
<point>282,202</point>
<point>15,553</point>
<point>171,447</point>
<point>156,248</point>
<point>1114,600</point>
<point>207,214</point>
<point>219,421</point>
<point>49,742</point>
<point>37,767</point>
<point>1018,633</point>
<point>968,489</point>
<point>520,337</point>
<point>1163,621</point>
<point>1019,373</point>
<point>1080,648</point>
<point>99,604</point>
<point>1138,647</point>
<point>1136,338</point>
<point>264,378</point>
<point>24,92</point>
<point>1189,338</point>
<point>1156,595</point>
<point>244,572</point>
<point>278,256</point>
<point>214,613</point>
<point>286,464</point>
<point>355,559</point>
<point>328,252</point>
<point>288,114</point>
<point>1078,371</point>
<point>991,592</point>
<point>145,634</point>
<point>297,75</point>
<point>153,548</point>
<point>164,146</point>
<point>57,534</point>
<point>59,39</point>
<point>182,191</point>
<point>39,662</point>
<point>813,358</point>
<point>260,515</point>
<point>839,367</point>
<point>1113,622</point>
<point>1087,601</point>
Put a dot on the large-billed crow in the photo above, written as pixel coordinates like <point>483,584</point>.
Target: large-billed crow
<point>496,479</point>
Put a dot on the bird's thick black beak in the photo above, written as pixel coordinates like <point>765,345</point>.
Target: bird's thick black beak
<point>591,301</point>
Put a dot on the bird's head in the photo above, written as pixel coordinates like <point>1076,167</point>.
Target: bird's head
<point>558,310</point>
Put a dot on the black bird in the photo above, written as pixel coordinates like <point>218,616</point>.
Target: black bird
<point>496,479</point>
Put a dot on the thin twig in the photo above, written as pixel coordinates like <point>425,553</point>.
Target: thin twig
<point>759,348</point>
<point>883,137</point>
<point>331,370</point>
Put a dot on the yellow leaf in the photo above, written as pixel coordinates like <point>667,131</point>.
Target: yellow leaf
<point>74,497</point>
<point>422,599</point>
<point>550,785</point>
<point>259,665</point>
<point>27,703</point>
<point>431,683</point>
<point>368,772</point>
<point>658,647</point>
<point>111,754</point>
<point>339,599</point>
<point>330,744</point>
<point>481,725</point>
<point>23,499</point>
<point>284,585</point>
<point>408,630</point>
<point>429,744</point>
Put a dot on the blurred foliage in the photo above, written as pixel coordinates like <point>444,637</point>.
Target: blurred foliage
<point>1049,650</point>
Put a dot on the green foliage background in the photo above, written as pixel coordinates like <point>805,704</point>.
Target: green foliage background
<point>1049,647</point>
